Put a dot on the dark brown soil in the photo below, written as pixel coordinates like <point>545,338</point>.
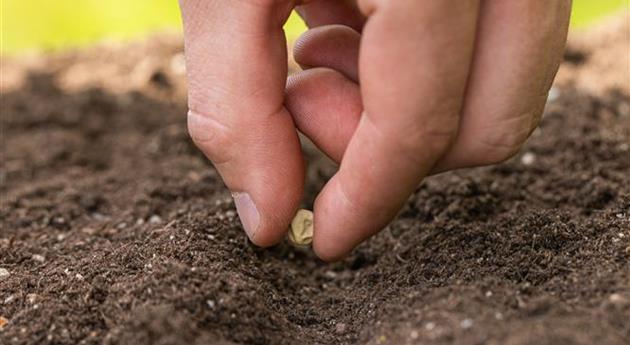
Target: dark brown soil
<point>116,230</point>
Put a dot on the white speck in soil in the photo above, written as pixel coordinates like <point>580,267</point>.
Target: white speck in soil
<point>616,299</point>
<point>330,274</point>
<point>38,258</point>
<point>99,217</point>
<point>466,323</point>
<point>4,273</point>
<point>210,304</point>
<point>31,298</point>
<point>429,326</point>
<point>414,335</point>
<point>528,158</point>
<point>340,328</point>
<point>155,219</point>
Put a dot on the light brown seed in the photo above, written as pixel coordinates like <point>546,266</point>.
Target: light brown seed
<point>301,232</point>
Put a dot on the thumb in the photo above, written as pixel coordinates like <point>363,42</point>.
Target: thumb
<point>236,64</point>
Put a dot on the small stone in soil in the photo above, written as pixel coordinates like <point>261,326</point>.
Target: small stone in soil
<point>31,298</point>
<point>616,299</point>
<point>528,158</point>
<point>466,323</point>
<point>4,273</point>
<point>340,328</point>
<point>155,219</point>
<point>38,258</point>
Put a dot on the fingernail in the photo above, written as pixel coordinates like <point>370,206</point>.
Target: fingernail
<point>247,212</point>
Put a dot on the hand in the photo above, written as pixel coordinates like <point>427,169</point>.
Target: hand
<point>443,85</point>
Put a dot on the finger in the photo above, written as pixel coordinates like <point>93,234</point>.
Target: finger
<point>326,102</point>
<point>517,54</point>
<point>236,63</point>
<point>332,46</point>
<point>326,107</point>
<point>414,64</point>
<point>326,12</point>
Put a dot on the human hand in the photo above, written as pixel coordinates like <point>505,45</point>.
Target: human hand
<point>443,85</point>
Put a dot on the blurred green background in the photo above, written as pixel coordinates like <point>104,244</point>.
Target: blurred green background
<point>52,24</point>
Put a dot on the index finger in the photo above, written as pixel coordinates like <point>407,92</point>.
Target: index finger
<point>414,64</point>
<point>237,68</point>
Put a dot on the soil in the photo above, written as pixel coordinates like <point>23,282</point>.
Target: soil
<point>116,230</point>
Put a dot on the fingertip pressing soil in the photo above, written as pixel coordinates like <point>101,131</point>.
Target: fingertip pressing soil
<point>116,230</point>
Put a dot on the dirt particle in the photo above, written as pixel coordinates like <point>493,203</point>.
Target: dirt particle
<point>3,322</point>
<point>155,219</point>
<point>38,258</point>
<point>340,328</point>
<point>466,323</point>
<point>616,299</point>
<point>528,158</point>
<point>31,298</point>
<point>4,273</point>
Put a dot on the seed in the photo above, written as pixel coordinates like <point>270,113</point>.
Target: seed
<point>301,232</point>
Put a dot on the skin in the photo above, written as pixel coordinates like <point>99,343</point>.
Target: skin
<point>443,85</point>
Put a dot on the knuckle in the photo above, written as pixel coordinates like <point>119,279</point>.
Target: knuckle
<point>436,139</point>
<point>500,147</point>
<point>502,141</point>
<point>418,141</point>
<point>211,136</point>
